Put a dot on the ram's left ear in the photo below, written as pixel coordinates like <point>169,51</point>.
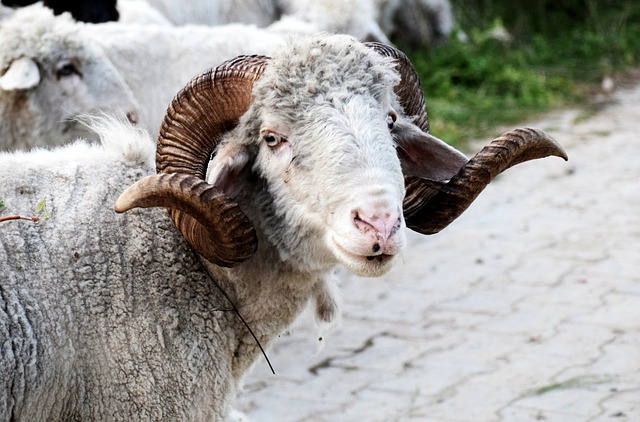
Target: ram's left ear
<point>229,169</point>
<point>423,155</point>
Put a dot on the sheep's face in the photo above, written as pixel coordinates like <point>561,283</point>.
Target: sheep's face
<point>50,76</point>
<point>319,132</point>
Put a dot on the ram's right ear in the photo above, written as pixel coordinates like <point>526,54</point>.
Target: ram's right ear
<point>423,155</point>
<point>23,73</point>
<point>229,168</point>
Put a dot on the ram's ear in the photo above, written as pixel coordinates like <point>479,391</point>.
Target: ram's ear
<point>423,155</point>
<point>229,168</point>
<point>23,73</point>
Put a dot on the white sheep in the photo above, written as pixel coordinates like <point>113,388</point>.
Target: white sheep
<point>113,317</point>
<point>218,12</point>
<point>54,69</point>
<point>50,73</point>
<point>354,17</point>
<point>414,23</point>
<point>140,12</point>
<point>358,18</point>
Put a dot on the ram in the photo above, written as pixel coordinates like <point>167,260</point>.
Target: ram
<point>274,171</point>
<point>54,70</point>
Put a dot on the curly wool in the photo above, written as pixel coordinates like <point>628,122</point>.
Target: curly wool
<point>310,71</point>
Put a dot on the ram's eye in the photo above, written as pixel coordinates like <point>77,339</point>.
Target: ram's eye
<point>272,139</point>
<point>391,119</point>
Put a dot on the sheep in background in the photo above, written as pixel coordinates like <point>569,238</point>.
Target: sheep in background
<point>218,12</point>
<point>140,12</point>
<point>412,23</point>
<point>308,150</point>
<point>54,69</point>
<point>416,23</point>
<point>51,74</point>
<point>356,17</point>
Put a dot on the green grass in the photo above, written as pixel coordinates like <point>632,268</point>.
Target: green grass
<point>475,85</point>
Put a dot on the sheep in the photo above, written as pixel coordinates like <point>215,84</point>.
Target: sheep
<point>273,171</point>
<point>218,12</point>
<point>49,75</point>
<point>355,17</point>
<point>84,68</point>
<point>416,24</point>
<point>412,23</point>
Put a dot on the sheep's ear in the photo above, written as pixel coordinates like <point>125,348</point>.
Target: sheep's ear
<point>423,155</point>
<point>22,74</point>
<point>229,168</point>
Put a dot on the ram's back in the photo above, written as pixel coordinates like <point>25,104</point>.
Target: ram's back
<point>100,314</point>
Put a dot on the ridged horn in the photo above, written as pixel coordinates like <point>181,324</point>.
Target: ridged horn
<point>208,107</point>
<point>196,120</point>
<point>433,205</point>
<point>409,90</point>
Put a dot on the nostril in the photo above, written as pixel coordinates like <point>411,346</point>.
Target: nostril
<point>361,224</point>
<point>376,247</point>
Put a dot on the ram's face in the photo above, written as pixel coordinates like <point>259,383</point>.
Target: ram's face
<point>337,181</point>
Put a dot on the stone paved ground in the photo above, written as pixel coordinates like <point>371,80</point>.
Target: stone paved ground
<point>527,308</point>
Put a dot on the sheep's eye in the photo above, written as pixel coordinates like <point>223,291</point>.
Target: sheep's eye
<point>391,119</point>
<point>272,139</point>
<point>66,68</point>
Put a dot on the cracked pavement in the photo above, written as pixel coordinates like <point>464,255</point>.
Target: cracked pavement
<point>526,308</point>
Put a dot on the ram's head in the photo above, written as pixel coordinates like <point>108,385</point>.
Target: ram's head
<point>326,148</point>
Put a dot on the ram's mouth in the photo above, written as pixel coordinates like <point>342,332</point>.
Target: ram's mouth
<point>364,265</point>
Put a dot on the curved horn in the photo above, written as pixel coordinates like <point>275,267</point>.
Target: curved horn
<point>409,90</point>
<point>432,205</point>
<point>196,120</point>
<point>208,107</point>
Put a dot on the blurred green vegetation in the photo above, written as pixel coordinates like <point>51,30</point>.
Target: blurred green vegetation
<point>510,60</point>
